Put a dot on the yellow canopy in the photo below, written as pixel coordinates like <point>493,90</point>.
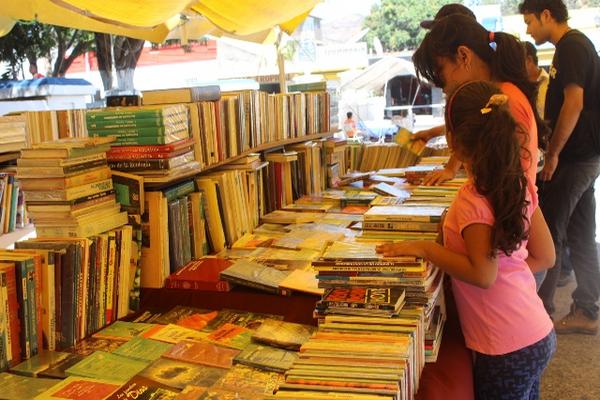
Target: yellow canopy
<point>153,19</point>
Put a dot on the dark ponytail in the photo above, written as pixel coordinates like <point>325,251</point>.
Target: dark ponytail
<point>487,137</point>
<point>501,52</point>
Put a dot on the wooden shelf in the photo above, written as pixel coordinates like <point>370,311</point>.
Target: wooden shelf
<point>151,182</point>
<point>8,239</point>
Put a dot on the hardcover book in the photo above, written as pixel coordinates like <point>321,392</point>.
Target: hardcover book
<point>203,274</point>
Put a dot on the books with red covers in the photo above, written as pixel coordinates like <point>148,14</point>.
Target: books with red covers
<point>202,274</point>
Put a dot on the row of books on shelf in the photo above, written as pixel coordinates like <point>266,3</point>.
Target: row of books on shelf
<point>13,214</point>
<point>55,292</point>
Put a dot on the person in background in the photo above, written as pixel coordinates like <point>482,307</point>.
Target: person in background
<point>536,74</point>
<point>494,236</point>
<point>444,11</point>
<point>457,50</point>
<point>572,162</point>
<point>349,125</point>
<point>33,70</point>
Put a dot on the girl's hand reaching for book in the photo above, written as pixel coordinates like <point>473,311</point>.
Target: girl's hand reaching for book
<point>405,248</point>
<point>438,177</point>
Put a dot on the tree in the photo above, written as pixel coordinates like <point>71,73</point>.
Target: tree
<point>124,52</point>
<point>396,22</point>
<point>32,40</point>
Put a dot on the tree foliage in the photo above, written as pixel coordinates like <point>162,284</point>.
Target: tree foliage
<point>396,22</point>
<point>29,41</point>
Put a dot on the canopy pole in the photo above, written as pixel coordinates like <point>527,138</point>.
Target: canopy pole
<point>281,64</point>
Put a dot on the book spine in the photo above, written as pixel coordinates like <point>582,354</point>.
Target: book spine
<point>22,293</point>
<point>110,277</point>
<point>401,218</point>
<point>149,140</point>
<point>164,130</point>
<point>83,167</point>
<point>123,156</point>
<point>5,345</point>
<point>167,148</point>
<point>49,291</point>
<point>125,123</point>
<point>68,300</point>
<point>401,226</point>
<point>31,305</point>
<point>12,315</point>
<point>38,286</point>
<point>137,165</point>
<point>256,285</point>
<point>119,116</point>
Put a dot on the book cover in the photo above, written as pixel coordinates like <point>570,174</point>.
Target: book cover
<point>178,312</point>
<point>142,349</point>
<point>203,274</point>
<point>17,387</point>
<point>232,336</point>
<point>178,374</point>
<point>140,388</point>
<point>80,388</point>
<point>103,365</point>
<point>204,353</point>
<point>283,334</point>
<point>249,273</point>
<point>245,379</point>
<point>300,280</point>
<point>246,319</point>
<point>267,357</point>
<point>367,298</point>
<point>173,333</point>
<point>121,330</point>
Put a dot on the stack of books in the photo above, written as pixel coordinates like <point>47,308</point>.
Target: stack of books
<point>68,188</point>
<point>402,222</point>
<point>13,133</point>
<point>150,141</point>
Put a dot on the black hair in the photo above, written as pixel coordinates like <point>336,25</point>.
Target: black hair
<point>557,9</point>
<point>505,57</point>
<point>487,136</point>
<point>530,51</point>
<point>349,114</point>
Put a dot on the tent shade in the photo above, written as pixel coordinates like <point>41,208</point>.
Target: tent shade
<point>375,76</point>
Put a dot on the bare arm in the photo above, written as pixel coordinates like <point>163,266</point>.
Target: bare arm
<point>540,245</point>
<point>441,176</point>
<point>476,268</point>
<point>427,134</point>
<point>567,119</point>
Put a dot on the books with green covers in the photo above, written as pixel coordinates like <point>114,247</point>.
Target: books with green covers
<point>232,336</point>
<point>266,357</point>
<point>283,334</point>
<point>178,374</point>
<point>179,312</point>
<point>246,319</point>
<point>140,388</point>
<point>16,387</point>
<point>151,140</point>
<point>197,352</point>
<point>76,388</point>
<point>152,164</point>
<point>135,113</point>
<point>173,333</point>
<point>121,330</point>
<point>142,349</point>
<point>103,365</point>
<point>161,130</point>
<point>249,273</point>
<point>39,362</point>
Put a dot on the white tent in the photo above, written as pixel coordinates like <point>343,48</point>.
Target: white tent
<point>378,74</point>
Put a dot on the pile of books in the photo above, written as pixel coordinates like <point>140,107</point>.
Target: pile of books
<point>152,140</point>
<point>12,203</point>
<point>402,222</point>
<point>185,351</point>
<point>13,133</point>
<point>68,188</point>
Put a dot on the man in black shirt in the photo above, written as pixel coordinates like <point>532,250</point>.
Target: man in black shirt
<point>572,162</point>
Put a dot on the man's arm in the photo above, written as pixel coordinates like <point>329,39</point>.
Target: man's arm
<point>567,119</point>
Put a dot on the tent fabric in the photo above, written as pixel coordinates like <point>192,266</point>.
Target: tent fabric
<point>376,75</point>
<point>154,19</point>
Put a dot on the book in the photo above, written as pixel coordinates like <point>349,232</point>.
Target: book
<point>367,298</point>
<point>249,273</point>
<point>204,353</point>
<point>287,335</point>
<point>103,365</point>
<point>140,388</point>
<point>80,388</point>
<point>59,172</point>
<point>300,280</point>
<point>57,370</point>
<point>121,330</point>
<point>142,349</point>
<point>163,113</point>
<point>405,214</point>
<point>16,387</point>
<point>266,357</point>
<point>68,148</point>
<point>89,345</point>
<point>243,379</point>
<point>230,335</point>
<point>182,95</point>
<point>245,319</point>
<point>71,193</point>
<point>84,177</point>
<point>176,374</point>
<point>203,274</point>
<point>173,333</point>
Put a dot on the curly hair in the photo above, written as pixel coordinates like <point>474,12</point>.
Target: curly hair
<point>487,137</point>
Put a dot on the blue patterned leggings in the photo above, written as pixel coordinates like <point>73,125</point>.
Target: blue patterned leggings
<point>513,376</point>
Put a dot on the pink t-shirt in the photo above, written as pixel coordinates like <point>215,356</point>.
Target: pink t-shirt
<point>523,113</point>
<point>509,315</point>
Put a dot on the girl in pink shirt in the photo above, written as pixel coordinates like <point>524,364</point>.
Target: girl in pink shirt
<point>494,237</point>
